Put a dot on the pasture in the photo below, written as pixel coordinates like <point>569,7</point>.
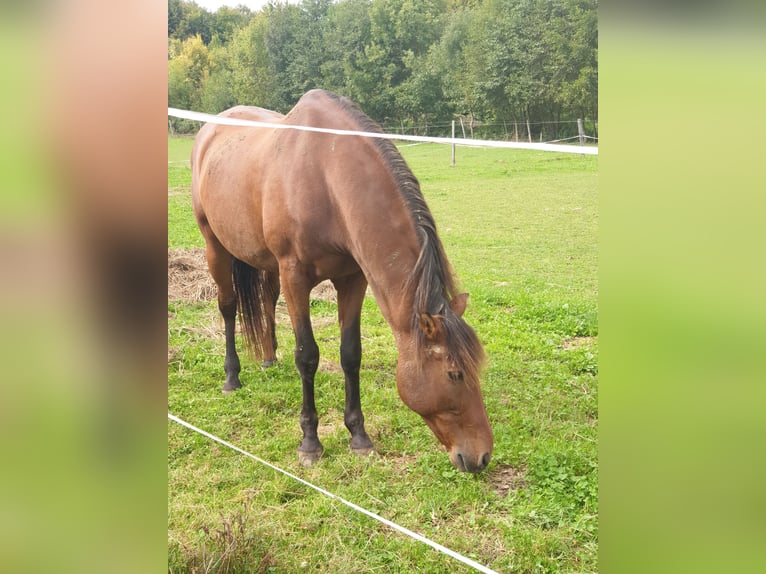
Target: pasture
<point>520,229</point>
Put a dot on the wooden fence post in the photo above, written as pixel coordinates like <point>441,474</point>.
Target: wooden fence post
<point>580,131</point>
<point>453,143</point>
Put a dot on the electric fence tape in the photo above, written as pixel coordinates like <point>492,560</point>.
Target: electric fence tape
<point>402,529</point>
<point>209,118</point>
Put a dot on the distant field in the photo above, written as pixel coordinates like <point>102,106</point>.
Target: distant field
<point>520,229</point>
<point>179,148</point>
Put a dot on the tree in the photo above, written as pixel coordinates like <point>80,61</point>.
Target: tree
<point>253,76</point>
<point>192,21</point>
<point>226,21</point>
<point>304,72</point>
<point>187,73</point>
<point>175,14</point>
<point>401,31</point>
<point>456,60</point>
<point>346,35</point>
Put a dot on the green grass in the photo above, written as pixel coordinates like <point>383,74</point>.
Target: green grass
<point>182,228</point>
<point>520,229</point>
<point>179,148</point>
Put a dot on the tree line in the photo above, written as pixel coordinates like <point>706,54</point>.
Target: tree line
<point>503,68</point>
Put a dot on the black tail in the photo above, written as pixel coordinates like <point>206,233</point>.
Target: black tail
<point>255,302</point>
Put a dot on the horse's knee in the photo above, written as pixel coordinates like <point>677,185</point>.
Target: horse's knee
<point>353,419</point>
<point>307,357</point>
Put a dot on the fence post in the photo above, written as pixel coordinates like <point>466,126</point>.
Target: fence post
<point>580,131</point>
<point>453,143</point>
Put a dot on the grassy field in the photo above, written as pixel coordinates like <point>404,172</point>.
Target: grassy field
<point>520,229</point>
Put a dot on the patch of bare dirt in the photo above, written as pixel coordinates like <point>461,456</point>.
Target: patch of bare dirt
<point>578,343</point>
<point>506,478</point>
<point>330,423</point>
<point>328,366</point>
<point>188,278</point>
<point>403,463</point>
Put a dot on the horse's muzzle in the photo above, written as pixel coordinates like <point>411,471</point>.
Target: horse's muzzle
<point>468,463</point>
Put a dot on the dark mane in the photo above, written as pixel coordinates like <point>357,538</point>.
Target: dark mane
<point>432,279</point>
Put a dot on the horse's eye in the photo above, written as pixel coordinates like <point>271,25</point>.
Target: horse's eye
<point>455,375</point>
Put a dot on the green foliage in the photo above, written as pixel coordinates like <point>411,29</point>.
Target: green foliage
<point>188,72</point>
<point>520,229</point>
<point>188,19</point>
<point>404,62</point>
<point>254,82</point>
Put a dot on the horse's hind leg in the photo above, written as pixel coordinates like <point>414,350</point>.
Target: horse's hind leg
<point>219,264</point>
<point>350,297</point>
<point>271,283</point>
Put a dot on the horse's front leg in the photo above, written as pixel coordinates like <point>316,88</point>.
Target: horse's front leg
<point>350,297</point>
<point>307,361</point>
<point>296,291</point>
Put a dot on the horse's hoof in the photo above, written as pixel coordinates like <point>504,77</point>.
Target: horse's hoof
<point>308,459</point>
<point>364,452</point>
<point>269,363</point>
<point>232,383</point>
<point>361,445</point>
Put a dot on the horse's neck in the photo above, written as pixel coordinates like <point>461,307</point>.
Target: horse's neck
<point>387,263</point>
<point>382,237</point>
<point>395,304</point>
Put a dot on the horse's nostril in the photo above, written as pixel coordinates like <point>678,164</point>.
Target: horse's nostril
<point>461,461</point>
<point>485,460</point>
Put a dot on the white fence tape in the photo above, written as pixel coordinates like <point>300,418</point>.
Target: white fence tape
<point>208,118</point>
<point>402,529</point>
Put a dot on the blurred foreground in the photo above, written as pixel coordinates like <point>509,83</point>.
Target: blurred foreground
<point>82,239</point>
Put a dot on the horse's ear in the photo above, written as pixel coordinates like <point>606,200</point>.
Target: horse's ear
<point>430,325</point>
<point>458,304</point>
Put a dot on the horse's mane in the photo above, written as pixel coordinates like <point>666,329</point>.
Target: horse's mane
<point>432,279</point>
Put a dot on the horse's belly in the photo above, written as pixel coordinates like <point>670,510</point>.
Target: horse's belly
<point>334,267</point>
<point>241,234</point>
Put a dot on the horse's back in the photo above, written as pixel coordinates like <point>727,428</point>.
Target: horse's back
<point>225,183</point>
<point>213,135</point>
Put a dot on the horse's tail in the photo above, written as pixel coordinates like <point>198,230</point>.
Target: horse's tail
<point>255,302</point>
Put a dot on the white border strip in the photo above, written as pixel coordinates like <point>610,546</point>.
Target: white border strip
<point>200,117</point>
<point>402,529</point>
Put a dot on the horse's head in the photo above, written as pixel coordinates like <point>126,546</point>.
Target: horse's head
<point>437,377</point>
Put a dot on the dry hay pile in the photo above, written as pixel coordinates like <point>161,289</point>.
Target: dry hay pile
<point>188,278</point>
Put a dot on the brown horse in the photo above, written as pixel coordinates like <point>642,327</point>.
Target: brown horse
<point>303,207</point>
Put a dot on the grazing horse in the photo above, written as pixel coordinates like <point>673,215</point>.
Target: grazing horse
<point>289,207</point>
